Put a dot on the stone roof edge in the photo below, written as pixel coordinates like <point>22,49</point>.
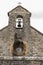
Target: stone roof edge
<point>36,30</point>
<point>3,28</point>
<point>18,6</point>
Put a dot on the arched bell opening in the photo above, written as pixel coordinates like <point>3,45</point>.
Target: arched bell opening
<point>19,22</point>
<point>18,48</point>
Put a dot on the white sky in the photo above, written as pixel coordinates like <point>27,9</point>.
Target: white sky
<point>34,6</point>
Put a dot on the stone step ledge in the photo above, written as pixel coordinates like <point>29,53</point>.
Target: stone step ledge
<point>20,58</point>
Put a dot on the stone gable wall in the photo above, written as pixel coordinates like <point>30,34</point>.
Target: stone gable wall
<point>37,39</point>
<point>37,43</point>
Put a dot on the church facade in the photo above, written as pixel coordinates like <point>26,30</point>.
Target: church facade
<point>19,38</point>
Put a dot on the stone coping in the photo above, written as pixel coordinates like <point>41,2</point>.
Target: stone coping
<point>20,58</point>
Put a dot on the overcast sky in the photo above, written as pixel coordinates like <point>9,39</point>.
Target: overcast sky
<point>34,6</point>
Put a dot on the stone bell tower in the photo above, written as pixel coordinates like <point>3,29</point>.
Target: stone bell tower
<point>19,31</point>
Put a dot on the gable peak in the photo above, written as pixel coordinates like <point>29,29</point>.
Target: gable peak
<point>19,8</point>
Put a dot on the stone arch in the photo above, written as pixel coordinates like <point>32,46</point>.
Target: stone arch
<point>18,48</point>
<point>19,44</point>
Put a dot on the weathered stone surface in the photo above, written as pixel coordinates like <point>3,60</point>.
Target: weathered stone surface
<point>32,37</point>
<point>37,39</point>
<point>9,62</point>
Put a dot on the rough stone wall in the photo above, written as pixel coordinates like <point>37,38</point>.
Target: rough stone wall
<point>12,62</point>
<point>33,38</point>
<point>3,41</point>
<point>37,42</point>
